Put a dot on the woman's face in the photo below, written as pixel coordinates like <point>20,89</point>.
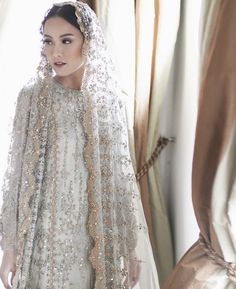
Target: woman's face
<point>63,46</point>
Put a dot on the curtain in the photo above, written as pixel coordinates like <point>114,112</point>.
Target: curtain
<point>209,9</point>
<point>155,50</point>
<point>178,119</point>
<point>211,261</point>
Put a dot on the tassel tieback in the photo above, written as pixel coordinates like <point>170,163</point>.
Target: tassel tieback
<point>230,267</point>
<point>161,144</point>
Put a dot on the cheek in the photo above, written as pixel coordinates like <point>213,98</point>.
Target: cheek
<point>76,54</point>
<point>78,50</point>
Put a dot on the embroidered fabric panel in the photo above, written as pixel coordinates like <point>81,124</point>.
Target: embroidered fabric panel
<point>12,178</point>
<point>62,243</point>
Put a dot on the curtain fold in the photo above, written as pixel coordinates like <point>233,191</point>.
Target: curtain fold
<point>145,37</point>
<point>210,262</point>
<point>163,54</point>
<point>178,119</point>
<point>209,9</point>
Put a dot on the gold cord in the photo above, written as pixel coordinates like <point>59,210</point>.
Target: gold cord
<point>161,144</point>
<point>230,267</point>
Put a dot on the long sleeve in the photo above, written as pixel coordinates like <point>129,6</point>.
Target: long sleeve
<point>12,178</point>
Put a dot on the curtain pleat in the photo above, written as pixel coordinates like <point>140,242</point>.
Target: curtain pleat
<point>163,54</point>
<point>178,119</point>
<point>210,262</point>
<point>145,20</point>
<point>209,8</point>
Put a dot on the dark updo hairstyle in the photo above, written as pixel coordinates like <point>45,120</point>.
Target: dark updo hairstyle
<point>67,12</point>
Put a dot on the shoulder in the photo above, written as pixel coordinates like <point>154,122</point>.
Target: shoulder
<point>29,91</point>
<point>25,95</point>
<point>30,87</point>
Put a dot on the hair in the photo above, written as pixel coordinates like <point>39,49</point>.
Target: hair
<point>67,12</point>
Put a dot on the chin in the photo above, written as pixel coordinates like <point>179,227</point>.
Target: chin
<point>61,74</point>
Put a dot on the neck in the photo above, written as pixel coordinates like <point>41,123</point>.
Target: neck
<point>73,81</point>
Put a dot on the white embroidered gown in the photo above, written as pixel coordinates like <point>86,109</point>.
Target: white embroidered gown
<point>62,244</point>
<point>57,243</point>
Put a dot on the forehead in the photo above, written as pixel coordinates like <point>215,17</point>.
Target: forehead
<point>57,26</point>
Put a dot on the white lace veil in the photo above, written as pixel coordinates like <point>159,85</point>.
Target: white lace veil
<point>116,221</point>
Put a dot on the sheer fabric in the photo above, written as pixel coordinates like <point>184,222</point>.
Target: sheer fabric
<point>115,222</point>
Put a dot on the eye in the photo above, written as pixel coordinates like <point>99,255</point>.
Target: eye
<point>66,41</point>
<point>47,41</point>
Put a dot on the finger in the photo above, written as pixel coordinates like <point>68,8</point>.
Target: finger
<point>12,276</point>
<point>131,277</point>
<point>5,282</point>
<point>135,274</point>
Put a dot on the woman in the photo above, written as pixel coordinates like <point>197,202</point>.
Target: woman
<point>71,215</point>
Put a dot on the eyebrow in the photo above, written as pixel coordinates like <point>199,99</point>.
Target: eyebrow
<point>63,35</point>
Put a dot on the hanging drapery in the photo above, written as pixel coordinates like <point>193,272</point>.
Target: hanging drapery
<point>178,119</point>
<point>209,8</point>
<point>152,73</point>
<point>164,41</point>
<point>211,261</point>
<point>145,17</point>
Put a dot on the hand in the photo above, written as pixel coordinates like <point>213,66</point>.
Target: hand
<point>134,271</point>
<point>8,266</point>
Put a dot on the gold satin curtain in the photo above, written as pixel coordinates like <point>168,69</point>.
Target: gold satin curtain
<point>211,261</point>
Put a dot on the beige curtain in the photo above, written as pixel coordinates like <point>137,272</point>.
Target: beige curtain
<point>155,51</point>
<point>209,9</point>
<point>178,117</point>
<point>211,261</point>
<point>146,20</point>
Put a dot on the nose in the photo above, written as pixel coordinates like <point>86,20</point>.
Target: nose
<point>57,51</point>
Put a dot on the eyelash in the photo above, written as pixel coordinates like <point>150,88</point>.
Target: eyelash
<point>47,41</point>
<point>64,41</point>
